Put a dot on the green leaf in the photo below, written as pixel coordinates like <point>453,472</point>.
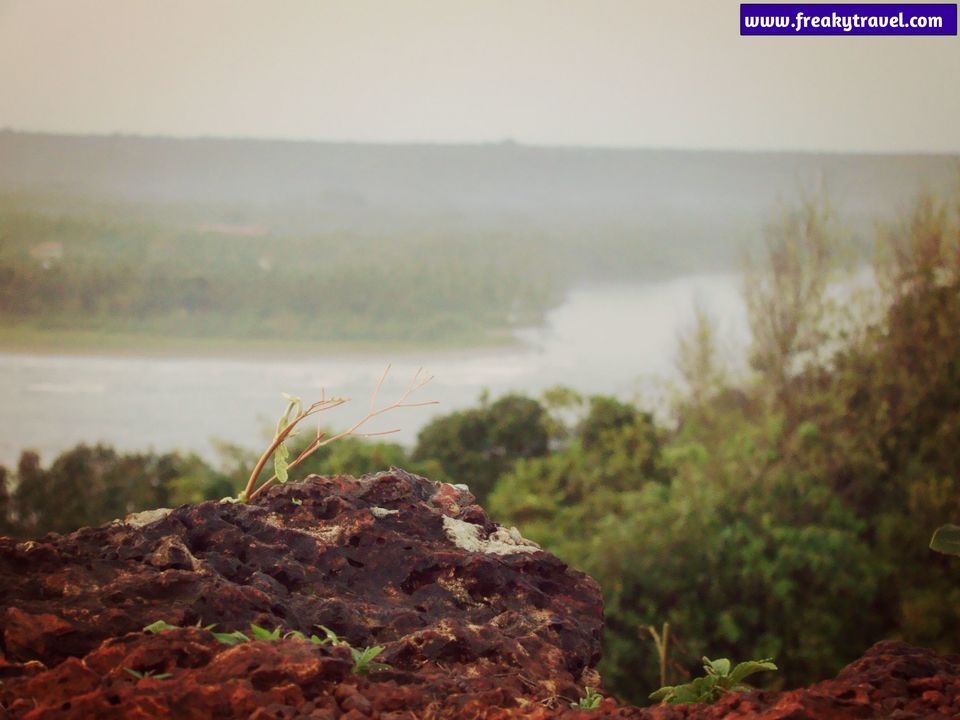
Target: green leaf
<point>362,659</point>
<point>332,637</point>
<point>293,404</point>
<point>662,693</point>
<point>281,457</point>
<point>746,669</point>
<point>720,667</point>
<point>260,633</point>
<point>296,501</point>
<point>148,674</point>
<point>946,540</point>
<point>296,635</point>
<point>699,690</point>
<point>590,701</point>
<point>231,638</point>
<point>159,626</point>
<point>365,655</point>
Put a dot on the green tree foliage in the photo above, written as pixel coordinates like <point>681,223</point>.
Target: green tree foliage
<point>887,419</point>
<point>113,271</point>
<point>698,360</point>
<point>722,541</point>
<point>356,456</point>
<point>7,526</point>
<point>786,292</point>
<point>87,486</point>
<point>478,445</point>
<point>787,515</point>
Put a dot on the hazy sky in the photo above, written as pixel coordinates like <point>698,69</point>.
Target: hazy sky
<point>594,72</point>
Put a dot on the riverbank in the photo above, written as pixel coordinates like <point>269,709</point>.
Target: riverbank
<point>25,339</point>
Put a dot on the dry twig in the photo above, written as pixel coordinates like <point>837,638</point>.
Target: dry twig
<point>286,426</point>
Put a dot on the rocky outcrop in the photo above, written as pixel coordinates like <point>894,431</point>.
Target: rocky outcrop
<point>472,617</point>
<point>474,620</point>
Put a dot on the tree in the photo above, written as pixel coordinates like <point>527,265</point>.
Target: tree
<point>698,359</point>
<point>786,293</point>
<point>479,445</point>
<point>7,525</point>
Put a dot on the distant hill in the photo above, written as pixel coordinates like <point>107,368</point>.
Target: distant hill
<point>549,188</point>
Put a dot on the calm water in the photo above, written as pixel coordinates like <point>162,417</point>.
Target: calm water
<point>618,339</point>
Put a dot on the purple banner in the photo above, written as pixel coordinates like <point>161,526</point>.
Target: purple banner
<point>848,19</point>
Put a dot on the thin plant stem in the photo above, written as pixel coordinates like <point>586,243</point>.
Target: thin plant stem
<point>662,642</point>
<point>419,380</point>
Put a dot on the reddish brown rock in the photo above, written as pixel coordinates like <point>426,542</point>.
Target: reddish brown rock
<point>471,616</point>
<point>475,621</point>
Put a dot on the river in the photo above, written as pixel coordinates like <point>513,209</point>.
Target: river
<point>618,339</point>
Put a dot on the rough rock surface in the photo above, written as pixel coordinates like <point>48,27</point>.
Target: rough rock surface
<point>475,621</point>
<point>471,615</point>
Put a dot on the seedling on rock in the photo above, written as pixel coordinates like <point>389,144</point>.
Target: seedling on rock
<point>231,638</point>
<point>363,660</point>
<point>720,679</point>
<point>159,626</point>
<point>260,633</point>
<point>294,414</point>
<point>147,674</point>
<point>332,637</point>
<point>590,701</point>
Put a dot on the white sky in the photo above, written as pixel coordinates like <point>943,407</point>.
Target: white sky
<point>670,73</point>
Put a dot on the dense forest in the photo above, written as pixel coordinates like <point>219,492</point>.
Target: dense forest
<point>109,273</point>
<point>781,513</point>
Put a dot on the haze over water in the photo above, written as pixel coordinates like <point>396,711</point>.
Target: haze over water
<point>604,339</point>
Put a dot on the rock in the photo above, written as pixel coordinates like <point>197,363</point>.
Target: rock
<point>475,621</point>
<point>488,622</point>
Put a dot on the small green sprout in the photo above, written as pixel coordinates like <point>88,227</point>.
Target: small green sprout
<point>590,701</point>
<point>297,635</point>
<point>159,626</point>
<point>231,638</point>
<point>296,501</point>
<point>332,637</point>
<point>147,674</point>
<point>720,679</point>
<point>260,633</point>
<point>363,660</point>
